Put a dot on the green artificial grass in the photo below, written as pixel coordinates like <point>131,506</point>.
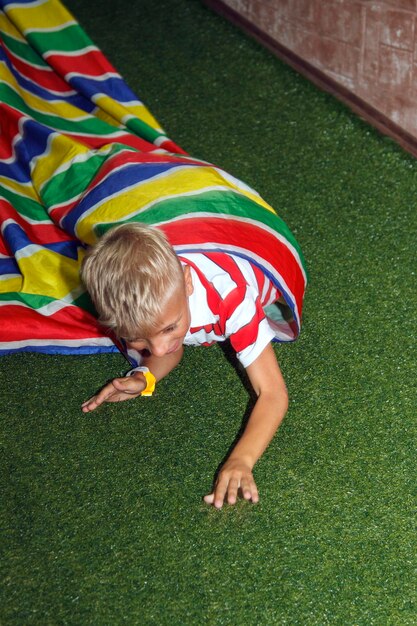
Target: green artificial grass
<point>102,519</point>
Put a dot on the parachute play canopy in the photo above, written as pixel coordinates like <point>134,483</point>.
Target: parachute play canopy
<point>80,153</point>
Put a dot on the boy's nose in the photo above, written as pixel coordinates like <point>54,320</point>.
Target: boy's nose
<point>158,347</point>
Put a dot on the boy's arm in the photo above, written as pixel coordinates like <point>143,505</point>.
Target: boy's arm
<point>267,414</point>
<point>126,388</point>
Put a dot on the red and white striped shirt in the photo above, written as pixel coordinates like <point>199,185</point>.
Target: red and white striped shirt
<point>228,302</point>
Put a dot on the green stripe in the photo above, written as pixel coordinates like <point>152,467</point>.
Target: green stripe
<point>33,301</point>
<point>25,206</point>
<point>89,125</point>
<point>143,130</point>
<point>221,202</point>
<point>84,302</point>
<point>36,301</point>
<point>22,50</point>
<point>74,180</point>
<point>68,39</point>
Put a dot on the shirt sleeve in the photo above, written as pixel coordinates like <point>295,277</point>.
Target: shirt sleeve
<point>245,324</point>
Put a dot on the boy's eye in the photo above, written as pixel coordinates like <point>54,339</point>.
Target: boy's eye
<point>169,329</point>
<point>136,342</point>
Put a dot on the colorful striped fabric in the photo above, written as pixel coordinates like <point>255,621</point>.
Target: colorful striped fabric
<point>80,153</point>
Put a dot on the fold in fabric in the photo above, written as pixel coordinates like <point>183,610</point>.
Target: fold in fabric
<point>80,153</point>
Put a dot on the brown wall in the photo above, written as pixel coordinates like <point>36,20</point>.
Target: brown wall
<point>368,48</point>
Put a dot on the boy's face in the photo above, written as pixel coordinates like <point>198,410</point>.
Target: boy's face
<point>173,324</point>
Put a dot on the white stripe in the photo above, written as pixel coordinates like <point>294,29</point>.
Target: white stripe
<point>59,94</point>
<point>155,202</point>
<point>196,339</point>
<point>247,220</point>
<point>235,181</point>
<point>23,5</point>
<point>100,78</point>
<point>70,343</point>
<point>69,53</point>
<point>58,100</point>
<point>26,219</point>
<point>25,61</point>
<point>50,29</point>
<point>52,307</point>
<point>160,140</point>
<point>267,285</point>
<point>9,276</point>
<point>28,251</point>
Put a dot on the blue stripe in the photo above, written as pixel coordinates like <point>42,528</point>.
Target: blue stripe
<point>17,240</point>
<point>114,87</point>
<point>33,142</point>
<point>8,266</point>
<point>118,180</point>
<point>69,350</point>
<point>76,99</point>
<point>5,3</point>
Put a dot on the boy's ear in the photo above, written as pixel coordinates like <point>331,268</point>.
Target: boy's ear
<point>189,287</point>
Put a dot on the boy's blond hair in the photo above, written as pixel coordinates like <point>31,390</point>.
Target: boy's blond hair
<point>130,273</point>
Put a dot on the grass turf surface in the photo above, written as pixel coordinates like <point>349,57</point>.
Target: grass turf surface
<point>102,515</point>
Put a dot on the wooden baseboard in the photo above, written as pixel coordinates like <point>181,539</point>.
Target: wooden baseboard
<point>359,106</point>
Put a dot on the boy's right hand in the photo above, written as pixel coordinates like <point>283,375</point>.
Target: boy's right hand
<point>118,390</point>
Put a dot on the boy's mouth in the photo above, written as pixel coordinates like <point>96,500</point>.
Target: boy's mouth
<point>175,347</point>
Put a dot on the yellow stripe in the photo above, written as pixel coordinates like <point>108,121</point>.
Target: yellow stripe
<point>7,27</point>
<point>47,15</point>
<point>133,200</point>
<point>62,150</point>
<point>22,189</point>
<point>49,274</point>
<point>56,108</point>
<point>11,284</point>
<point>119,111</point>
<point>105,117</point>
<point>116,110</point>
<point>143,113</point>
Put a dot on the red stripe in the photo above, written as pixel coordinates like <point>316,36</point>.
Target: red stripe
<point>269,294</point>
<point>127,156</point>
<point>20,323</point>
<point>208,329</point>
<point>254,239</point>
<point>213,298</point>
<point>231,303</point>
<point>9,129</point>
<point>98,141</point>
<point>228,265</point>
<point>57,214</point>
<point>43,77</point>
<point>37,233</point>
<point>247,334</point>
<point>92,63</point>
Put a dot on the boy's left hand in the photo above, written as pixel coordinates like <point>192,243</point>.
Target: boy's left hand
<point>234,475</point>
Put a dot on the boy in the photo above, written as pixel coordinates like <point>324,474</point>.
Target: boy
<point>157,301</point>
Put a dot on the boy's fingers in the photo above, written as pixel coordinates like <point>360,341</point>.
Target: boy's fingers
<point>232,488</point>
<point>249,490</point>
